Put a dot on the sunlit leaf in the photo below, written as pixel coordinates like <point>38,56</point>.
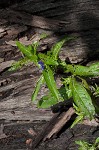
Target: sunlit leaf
<point>82,99</point>
<point>57,47</point>
<point>77,120</point>
<point>83,70</point>
<point>19,64</point>
<point>43,36</point>
<point>47,59</point>
<point>24,50</point>
<point>97,142</point>
<point>37,88</point>
<point>50,81</point>
<point>84,145</point>
<point>34,48</point>
<point>47,101</point>
<point>68,87</point>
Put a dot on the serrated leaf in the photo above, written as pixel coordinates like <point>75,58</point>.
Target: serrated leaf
<point>47,59</point>
<point>94,66</point>
<point>83,145</point>
<point>82,70</point>
<point>34,47</point>
<point>19,64</point>
<point>77,120</point>
<point>56,48</point>
<point>68,88</point>
<point>96,91</point>
<point>63,93</point>
<point>43,36</point>
<point>85,84</point>
<point>82,99</point>
<point>94,69</point>
<point>37,88</point>
<point>25,50</point>
<point>50,81</point>
<point>47,101</point>
<point>97,142</point>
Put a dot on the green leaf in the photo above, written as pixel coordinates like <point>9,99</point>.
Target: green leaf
<point>37,88</point>
<point>84,145</point>
<point>56,48</point>
<point>63,92</point>
<point>50,81</point>
<point>82,99</point>
<point>43,36</point>
<point>19,64</point>
<point>94,69</point>
<point>34,48</point>
<point>68,88</point>
<point>96,91</point>
<point>47,59</point>
<point>83,70</point>
<point>85,84</point>
<point>47,101</point>
<point>78,119</point>
<point>25,50</point>
<point>97,141</point>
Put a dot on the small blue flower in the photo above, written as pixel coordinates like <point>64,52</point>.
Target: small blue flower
<point>41,64</point>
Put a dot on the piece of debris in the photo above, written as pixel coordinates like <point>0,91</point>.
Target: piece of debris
<point>32,132</point>
<point>53,126</point>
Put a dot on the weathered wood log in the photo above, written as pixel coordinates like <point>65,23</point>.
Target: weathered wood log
<point>73,17</point>
<point>84,47</point>
<point>15,96</point>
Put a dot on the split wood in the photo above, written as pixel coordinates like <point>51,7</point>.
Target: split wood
<point>53,126</point>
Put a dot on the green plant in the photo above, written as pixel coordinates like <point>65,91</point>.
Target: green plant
<point>86,146</point>
<point>75,85</point>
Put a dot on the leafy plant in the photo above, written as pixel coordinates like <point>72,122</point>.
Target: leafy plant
<point>86,146</point>
<point>75,85</point>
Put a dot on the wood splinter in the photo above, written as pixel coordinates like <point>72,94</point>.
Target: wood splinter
<point>63,119</point>
<point>53,126</point>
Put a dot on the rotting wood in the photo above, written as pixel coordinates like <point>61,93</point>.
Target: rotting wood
<point>63,119</point>
<point>77,50</point>
<point>31,20</point>
<point>76,13</point>
<point>16,96</point>
<point>53,126</point>
<point>46,23</point>
<point>45,130</point>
